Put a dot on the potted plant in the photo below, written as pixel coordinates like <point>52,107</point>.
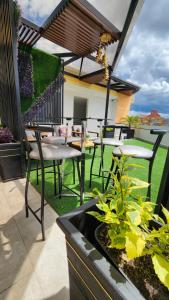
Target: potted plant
<point>109,133</point>
<point>129,232</point>
<point>11,165</point>
<point>132,122</point>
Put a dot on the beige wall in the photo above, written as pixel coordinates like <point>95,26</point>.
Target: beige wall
<point>123,107</point>
<point>96,96</point>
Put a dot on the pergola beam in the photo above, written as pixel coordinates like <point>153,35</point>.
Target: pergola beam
<point>126,83</point>
<point>29,33</point>
<point>135,7</point>
<point>65,54</point>
<point>69,61</point>
<point>81,64</point>
<point>30,24</point>
<point>77,25</point>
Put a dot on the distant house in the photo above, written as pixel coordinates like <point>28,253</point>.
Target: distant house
<point>154,118</point>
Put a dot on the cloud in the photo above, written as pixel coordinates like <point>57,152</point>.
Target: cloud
<point>145,61</point>
<point>37,9</point>
<point>156,87</point>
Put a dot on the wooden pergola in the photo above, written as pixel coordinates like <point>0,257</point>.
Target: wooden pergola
<point>76,25</point>
<point>116,83</point>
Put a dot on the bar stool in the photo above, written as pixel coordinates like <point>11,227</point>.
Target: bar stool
<point>41,152</point>
<point>102,142</point>
<point>63,140</point>
<point>139,152</point>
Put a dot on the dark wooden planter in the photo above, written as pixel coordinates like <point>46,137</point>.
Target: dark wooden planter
<point>130,133</point>
<point>109,134</point>
<point>11,161</point>
<point>90,273</point>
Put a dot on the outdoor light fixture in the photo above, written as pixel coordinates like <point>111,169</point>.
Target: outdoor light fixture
<point>101,56</point>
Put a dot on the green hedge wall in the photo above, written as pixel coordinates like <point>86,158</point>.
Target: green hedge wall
<point>46,68</point>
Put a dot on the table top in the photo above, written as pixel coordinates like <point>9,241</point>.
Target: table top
<point>116,126</point>
<point>31,138</point>
<point>86,144</point>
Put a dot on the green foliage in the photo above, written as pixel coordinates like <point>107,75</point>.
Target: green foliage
<point>161,267</point>
<point>158,247</point>
<point>131,121</point>
<point>26,102</point>
<point>127,220</point>
<point>46,68</point>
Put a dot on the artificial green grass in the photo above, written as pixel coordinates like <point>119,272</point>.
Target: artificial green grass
<point>66,204</point>
<point>26,102</point>
<point>46,68</point>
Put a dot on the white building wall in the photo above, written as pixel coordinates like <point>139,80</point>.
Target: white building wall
<point>95,104</point>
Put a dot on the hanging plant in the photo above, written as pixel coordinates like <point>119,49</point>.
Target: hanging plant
<point>101,56</point>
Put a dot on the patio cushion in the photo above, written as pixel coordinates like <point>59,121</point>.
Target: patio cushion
<point>135,151</point>
<point>59,140</point>
<point>64,131</point>
<point>108,142</point>
<point>54,140</point>
<point>54,152</point>
<point>30,133</point>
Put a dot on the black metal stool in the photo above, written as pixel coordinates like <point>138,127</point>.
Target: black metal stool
<point>102,142</point>
<point>37,150</point>
<point>139,152</point>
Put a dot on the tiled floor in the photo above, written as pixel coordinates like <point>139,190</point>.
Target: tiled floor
<point>29,268</point>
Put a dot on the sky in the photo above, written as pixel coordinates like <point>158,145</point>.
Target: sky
<point>145,60</point>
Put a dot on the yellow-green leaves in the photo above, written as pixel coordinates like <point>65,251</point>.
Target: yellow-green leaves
<point>117,236</point>
<point>161,267</point>
<point>137,184</point>
<point>134,245</point>
<point>108,217</point>
<point>166,214</point>
<point>134,217</point>
<point>127,217</point>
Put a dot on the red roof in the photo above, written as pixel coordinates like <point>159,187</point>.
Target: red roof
<point>154,114</point>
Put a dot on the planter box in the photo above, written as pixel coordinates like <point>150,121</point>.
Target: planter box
<point>90,273</point>
<point>109,134</point>
<point>11,161</point>
<point>129,133</point>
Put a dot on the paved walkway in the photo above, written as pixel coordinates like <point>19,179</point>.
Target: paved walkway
<point>29,268</point>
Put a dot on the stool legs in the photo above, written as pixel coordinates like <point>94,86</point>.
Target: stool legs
<point>27,207</point>
<point>91,167</point>
<point>109,175</point>
<point>82,178</point>
<point>149,180</point>
<point>27,185</point>
<point>78,169</point>
<point>42,204</point>
<point>42,201</point>
<point>59,180</point>
<point>101,161</point>
<point>54,177</point>
<point>74,179</point>
<point>37,172</point>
